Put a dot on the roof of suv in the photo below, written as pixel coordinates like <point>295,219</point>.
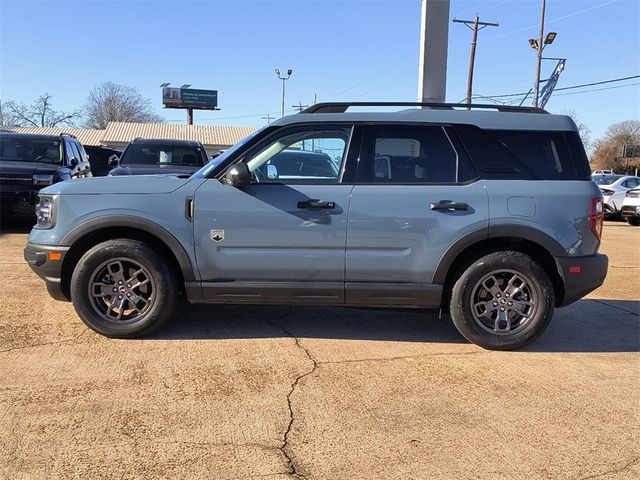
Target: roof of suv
<point>168,141</point>
<point>511,118</point>
<point>36,136</point>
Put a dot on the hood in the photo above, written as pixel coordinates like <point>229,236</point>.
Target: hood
<point>154,169</point>
<point>126,184</point>
<point>27,168</point>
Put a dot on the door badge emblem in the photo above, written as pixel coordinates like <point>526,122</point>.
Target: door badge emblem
<point>217,235</point>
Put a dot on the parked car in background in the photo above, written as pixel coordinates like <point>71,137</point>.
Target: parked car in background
<point>291,164</point>
<point>99,159</point>
<point>614,187</point>
<point>29,162</point>
<point>602,172</point>
<point>631,207</point>
<point>425,208</point>
<point>146,156</point>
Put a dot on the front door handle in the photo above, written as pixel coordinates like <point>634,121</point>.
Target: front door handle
<point>448,205</point>
<point>316,204</point>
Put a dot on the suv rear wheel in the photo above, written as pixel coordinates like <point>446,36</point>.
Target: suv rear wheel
<point>122,288</point>
<point>502,301</point>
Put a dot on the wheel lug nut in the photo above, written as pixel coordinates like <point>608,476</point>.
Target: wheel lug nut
<point>128,294</point>
<point>502,309</point>
<point>120,282</point>
<point>120,296</point>
<point>507,294</point>
<point>498,295</point>
<point>495,304</point>
<point>115,289</point>
<point>510,304</point>
<point>128,285</point>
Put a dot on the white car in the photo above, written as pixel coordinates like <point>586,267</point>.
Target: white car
<point>614,188</point>
<point>631,207</point>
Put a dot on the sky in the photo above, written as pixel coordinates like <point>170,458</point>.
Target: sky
<point>338,50</point>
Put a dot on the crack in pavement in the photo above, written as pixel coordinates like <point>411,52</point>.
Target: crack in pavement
<point>33,345</point>
<point>401,357</point>
<point>624,467</point>
<point>602,302</point>
<point>285,446</point>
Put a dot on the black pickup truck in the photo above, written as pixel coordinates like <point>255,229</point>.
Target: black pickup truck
<point>29,162</point>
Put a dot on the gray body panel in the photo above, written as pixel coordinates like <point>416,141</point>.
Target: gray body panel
<point>395,238</point>
<point>267,238</point>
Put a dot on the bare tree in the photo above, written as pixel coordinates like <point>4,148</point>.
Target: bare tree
<point>111,102</point>
<point>38,114</point>
<point>583,129</point>
<point>608,150</point>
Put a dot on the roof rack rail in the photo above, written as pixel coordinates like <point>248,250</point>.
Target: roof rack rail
<point>341,107</point>
<point>64,134</point>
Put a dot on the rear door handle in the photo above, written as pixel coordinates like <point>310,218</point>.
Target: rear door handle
<point>316,204</point>
<point>448,205</point>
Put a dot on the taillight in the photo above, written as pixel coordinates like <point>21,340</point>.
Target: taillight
<point>632,194</point>
<point>596,216</point>
<point>607,193</point>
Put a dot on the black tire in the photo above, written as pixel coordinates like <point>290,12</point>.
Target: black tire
<point>634,221</point>
<point>470,293</point>
<point>149,304</point>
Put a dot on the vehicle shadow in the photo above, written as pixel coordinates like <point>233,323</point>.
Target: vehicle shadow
<point>15,226</point>
<point>587,326</point>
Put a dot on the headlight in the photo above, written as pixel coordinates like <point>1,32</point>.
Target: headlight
<point>42,179</point>
<point>46,212</point>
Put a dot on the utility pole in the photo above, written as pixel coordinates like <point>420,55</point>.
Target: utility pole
<point>284,79</point>
<point>299,107</point>
<point>434,41</point>
<point>536,98</point>
<point>268,118</point>
<point>477,25</point>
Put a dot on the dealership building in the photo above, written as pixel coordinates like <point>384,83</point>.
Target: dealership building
<point>117,135</point>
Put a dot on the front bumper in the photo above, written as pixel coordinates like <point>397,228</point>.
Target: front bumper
<point>582,275</point>
<point>48,266</point>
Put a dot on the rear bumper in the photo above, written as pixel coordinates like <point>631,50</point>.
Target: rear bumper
<point>630,211</point>
<point>38,258</point>
<point>582,275</point>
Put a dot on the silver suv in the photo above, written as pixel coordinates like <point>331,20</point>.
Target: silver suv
<point>489,215</point>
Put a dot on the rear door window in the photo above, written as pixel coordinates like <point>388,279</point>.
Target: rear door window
<point>409,154</point>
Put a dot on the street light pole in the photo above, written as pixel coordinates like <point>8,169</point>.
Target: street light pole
<point>539,62</point>
<point>284,79</point>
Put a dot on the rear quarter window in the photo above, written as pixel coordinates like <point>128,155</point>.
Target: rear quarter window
<point>520,154</point>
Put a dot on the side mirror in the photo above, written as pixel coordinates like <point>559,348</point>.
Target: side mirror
<point>73,162</point>
<point>272,172</point>
<point>238,175</point>
<point>113,161</point>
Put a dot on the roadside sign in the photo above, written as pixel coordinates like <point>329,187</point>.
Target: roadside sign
<point>173,97</point>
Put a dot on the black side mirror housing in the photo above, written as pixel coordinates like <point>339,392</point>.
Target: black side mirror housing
<point>73,162</point>
<point>238,175</point>
<point>113,161</point>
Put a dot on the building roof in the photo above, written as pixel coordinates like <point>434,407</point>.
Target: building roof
<point>121,132</point>
<point>85,136</point>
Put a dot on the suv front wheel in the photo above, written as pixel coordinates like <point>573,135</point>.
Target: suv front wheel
<point>502,301</point>
<point>122,288</point>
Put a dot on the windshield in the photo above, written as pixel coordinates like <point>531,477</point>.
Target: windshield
<point>607,179</point>
<point>18,149</point>
<point>145,154</point>
<point>220,159</point>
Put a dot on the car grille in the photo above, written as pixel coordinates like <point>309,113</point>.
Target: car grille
<point>15,179</point>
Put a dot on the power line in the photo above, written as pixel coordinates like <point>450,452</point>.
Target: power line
<point>579,12</point>
<point>598,89</point>
<point>570,87</point>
